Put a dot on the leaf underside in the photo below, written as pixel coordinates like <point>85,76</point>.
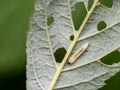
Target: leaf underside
<point>87,73</point>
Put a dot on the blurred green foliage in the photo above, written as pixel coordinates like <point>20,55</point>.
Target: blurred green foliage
<point>14,20</point>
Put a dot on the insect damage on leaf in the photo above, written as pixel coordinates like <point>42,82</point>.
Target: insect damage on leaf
<point>45,38</point>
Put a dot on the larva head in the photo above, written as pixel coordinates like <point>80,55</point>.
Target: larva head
<point>85,45</point>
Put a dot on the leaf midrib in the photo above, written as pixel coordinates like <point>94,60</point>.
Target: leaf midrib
<point>59,70</point>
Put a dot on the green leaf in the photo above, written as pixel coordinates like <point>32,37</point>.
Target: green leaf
<point>107,3</point>
<point>87,73</point>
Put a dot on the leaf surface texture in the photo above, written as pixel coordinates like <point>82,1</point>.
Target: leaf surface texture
<point>87,73</point>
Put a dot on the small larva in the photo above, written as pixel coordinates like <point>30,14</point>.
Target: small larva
<point>74,57</point>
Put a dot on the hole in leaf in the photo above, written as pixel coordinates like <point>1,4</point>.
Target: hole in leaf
<point>107,3</point>
<point>113,83</point>
<point>71,37</point>
<point>78,14</point>
<point>101,25</point>
<point>90,3</point>
<point>59,54</point>
<point>111,58</point>
<point>50,20</point>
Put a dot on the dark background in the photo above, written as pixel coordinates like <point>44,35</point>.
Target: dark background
<point>14,19</point>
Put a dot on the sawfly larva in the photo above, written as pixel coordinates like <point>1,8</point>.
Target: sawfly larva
<point>75,56</point>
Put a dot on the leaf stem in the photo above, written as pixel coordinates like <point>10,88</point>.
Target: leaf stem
<point>59,70</point>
